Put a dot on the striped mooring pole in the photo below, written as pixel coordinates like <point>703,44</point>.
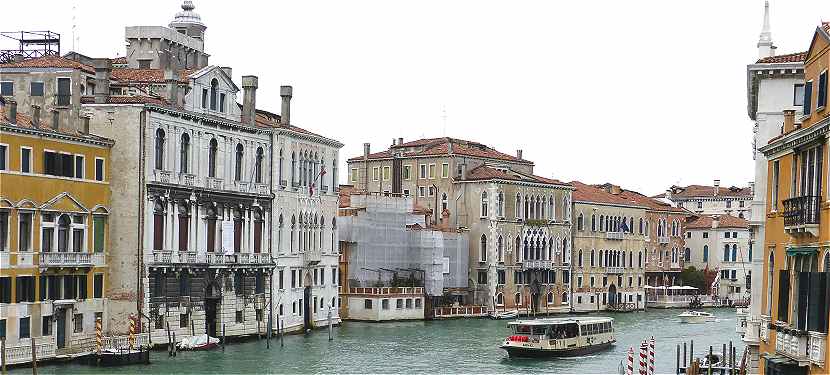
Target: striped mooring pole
<point>132,332</point>
<point>651,356</point>
<point>99,335</point>
<point>629,370</point>
<point>643,355</point>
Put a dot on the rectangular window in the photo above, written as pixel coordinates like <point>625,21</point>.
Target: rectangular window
<point>24,236</point>
<point>46,325</point>
<point>423,171</point>
<point>375,174</point>
<point>4,153</point>
<point>367,304</point>
<point>222,103</point>
<point>432,171</point>
<point>204,98</point>
<point>798,94</point>
<point>144,63</point>
<point>422,191</point>
<point>293,278</point>
<point>64,92</point>
<point>79,166</point>
<point>387,173</point>
<point>445,170</point>
<point>25,328</point>
<point>183,320</point>
<point>482,277</point>
<point>79,323</point>
<point>98,286</point>
<point>239,316</point>
<point>775,176</point>
<point>99,169</point>
<point>25,289</point>
<point>36,89</point>
<point>98,228</point>
<point>4,230</point>
<point>407,170</point>
<point>354,175</point>
<point>280,279</point>
<point>822,90</point>
<point>808,93</point>
<point>7,88</point>
<point>25,160</point>
<point>5,290</point>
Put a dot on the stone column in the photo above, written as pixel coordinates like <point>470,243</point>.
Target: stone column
<point>175,227</point>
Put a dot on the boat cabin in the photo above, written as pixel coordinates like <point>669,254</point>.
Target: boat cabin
<point>559,336</point>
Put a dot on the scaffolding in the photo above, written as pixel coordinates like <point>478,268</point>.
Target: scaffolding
<point>31,44</point>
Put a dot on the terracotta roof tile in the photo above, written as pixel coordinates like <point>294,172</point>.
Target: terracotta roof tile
<point>441,146</point>
<point>708,191</point>
<point>24,121</point>
<point>49,61</point>
<point>134,99</point>
<point>724,221</point>
<point>651,203</point>
<point>268,119</point>
<point>145,75</point>
<point>484,172</point>
<point>788,58</point>
<point>593,194</point>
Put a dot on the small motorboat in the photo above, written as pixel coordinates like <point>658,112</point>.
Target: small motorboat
<point>696,317</point>
<point>200,342</point>
<point>504,315</point>
<point>715,359</point>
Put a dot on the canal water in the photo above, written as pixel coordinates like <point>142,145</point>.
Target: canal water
<point>452,346</point>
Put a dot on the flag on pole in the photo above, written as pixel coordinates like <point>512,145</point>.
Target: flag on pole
<point>314,184</point>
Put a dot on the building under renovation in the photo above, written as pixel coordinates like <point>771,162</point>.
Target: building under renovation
<point>394,265</point>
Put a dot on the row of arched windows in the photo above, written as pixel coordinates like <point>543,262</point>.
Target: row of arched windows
<point>213,147</point>
<point>534,247</point>
<point>307,169</point>
<point>307,233</point>
<point>517,298</point>
<point>611,258</point>
<point>529,207</point>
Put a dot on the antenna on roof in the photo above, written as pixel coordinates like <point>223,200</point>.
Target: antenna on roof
<point>444,120</point>
<point>76,37</point>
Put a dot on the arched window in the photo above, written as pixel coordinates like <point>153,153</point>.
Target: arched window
<point>279,169</point>
<point>550,298</point>
<point>484,211</point>
<point>240,153</point>
<point>500,204</point>
<point>260,155</point>
<point>518,299</point>
<point>734,252</point>
<point>687,255</point>
<point>159,149</point>
<point>293,167</point>
<point>593,223</point>
<point>500,299</point>
<point>579,222</point>
<point>566,208</point>
<point>601,223</point>
<point>291,239</point>
<point>482,250</point>
<point>566,250</point>
<point>335,247</point>
<point>593,260</point>
<point>544,203</point>
<point>630,259</point>
<point>579,257</point>
<point>527,208</point>
<point>518,206</point>
<point>63,233</point>
<point>552,208</point>
<point>565,296</point>
<point>517,249</point>
<point>640,259</point>
<point>213,85</point>
<point>705,253</point>
<point>725,253</point>
<point>500,249</point>
<point>212,157</point>
<point>770,280</point>
<point>184,153</point>
<point>641,225</point>
<point>444,202</point>
<point>279,234</point>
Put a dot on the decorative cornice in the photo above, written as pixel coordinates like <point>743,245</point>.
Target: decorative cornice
<point>104,142</point>
<point>797,138</point>
<point>211,120</point>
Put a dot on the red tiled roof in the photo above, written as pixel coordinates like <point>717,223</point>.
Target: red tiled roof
<point>788,58</point>
<point>145,75</point>
<point>441,146</point>
<point>135,99</point>
<point>593,194</point>
<point>708,191</point>
<point>49,61</point>
<point>651,203</point>
<point>724,221</point>
<point>269,119</point>
<point>484,172</point>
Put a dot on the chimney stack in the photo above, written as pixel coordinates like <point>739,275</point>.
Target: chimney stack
<point>668,194</point>
<point>366,149</point>
<point>715,221</point>
<point>35,115</point>
<point>519,153</point>
<point>717,187</point>
<point>249,86</point>
<point>103,70</point>
<point>84,124</point>
<point>56,120</point>
<point>400,141</point>
<point>789,120</point>
<point>12,111</point>
<point>172,80</point>
<point>752,187</point>
<point>285,114</point>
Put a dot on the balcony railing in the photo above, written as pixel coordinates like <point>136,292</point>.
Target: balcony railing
<point>614,235</point>
<point>801,210</point>
<point>161,176</point>
<point>70,259</point>
<point>529,264</point>
<point>217,259</point>
<point>187,179</point>
<point>613,270</point>
<point>312,257</point>
<point>387,291</point>
<point>764,328</point>
<point>817,345</point>
<point>663,240</point>
<point>23,353</point>
<point>792,346</point>
<point>261,189</point>
<point>213,183</point>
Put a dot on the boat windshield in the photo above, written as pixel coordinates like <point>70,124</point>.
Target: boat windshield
<point>521,329</point>
<point>563,331</point>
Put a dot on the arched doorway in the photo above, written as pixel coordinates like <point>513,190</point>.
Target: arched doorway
<point>612,295</point>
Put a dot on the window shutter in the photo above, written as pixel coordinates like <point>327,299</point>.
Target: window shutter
<point>803,295</point>
<point>783,295</point>
<point>98,224</point>
<point>808,93</point>
<point>815,309</point>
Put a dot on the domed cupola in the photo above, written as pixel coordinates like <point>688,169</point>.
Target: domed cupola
<point>189,22</point>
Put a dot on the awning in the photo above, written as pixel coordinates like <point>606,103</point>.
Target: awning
<point>802,250</point>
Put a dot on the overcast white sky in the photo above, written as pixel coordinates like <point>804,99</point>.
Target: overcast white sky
<point>644,94</point>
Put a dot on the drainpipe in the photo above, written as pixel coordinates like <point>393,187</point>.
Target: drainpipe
<point>141,202</point>
<point>271,236</point>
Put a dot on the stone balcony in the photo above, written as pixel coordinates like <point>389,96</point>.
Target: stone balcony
<point>763,329</point>
<point>213,183</point>
<point>311,257</point>
<point>817,347</point>
<point>158,258</point>
<point>794,346</point>
<point>613,270</point>
<point>663,240</point>
<point>187,179</point>
<point>161,176</point>
<point>530,264</point>
<point>802,215</point>
<point>61,259</point>
<point>614,235</point>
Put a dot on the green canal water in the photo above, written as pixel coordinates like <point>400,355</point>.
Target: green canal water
<point>453,346</point>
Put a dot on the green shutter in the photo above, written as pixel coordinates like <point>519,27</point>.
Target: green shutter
<point>98,228</point>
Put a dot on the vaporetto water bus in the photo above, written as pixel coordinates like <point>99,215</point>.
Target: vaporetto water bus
<point>559,337</point>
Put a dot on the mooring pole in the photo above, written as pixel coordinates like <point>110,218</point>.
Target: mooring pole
<point>330,338</point>
<point>170,343</point>
<point>34,357</point>
<point>175,349</point>
<point>282,334</point>
<point>192,328</point>
<point>684,354</point>
<point>3,353</point>
<point>224,338</point>
<point>678,358</point>
<point>268,335</point>
<point>709,361</point>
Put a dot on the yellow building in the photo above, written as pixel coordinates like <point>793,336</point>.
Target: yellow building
<point>54,205</point>
<point>796,278</point>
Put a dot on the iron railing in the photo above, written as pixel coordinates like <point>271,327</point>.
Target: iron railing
<point>802,210</point>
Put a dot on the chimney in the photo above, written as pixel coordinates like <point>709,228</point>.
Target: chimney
<point>400,141</point>
<point>717,187</point>
<point>35,115</point>
<point>752,187</point>
<point>519,153</point>
<point>12,111</point>
<point>366,149</point>
<point>715,221</point>
<point>172,80</point>
<point>249,86</point>
<point>615,189</point>
<point>668,194</point>
<point>56,116</point>
<point>103,69</point>
<point>84,124</point>
<point>449,147</point>
<point>789,120</point>
<point>285,114</point>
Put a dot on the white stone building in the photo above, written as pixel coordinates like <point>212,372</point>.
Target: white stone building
<point>721,243</point>
<point>711,200</point>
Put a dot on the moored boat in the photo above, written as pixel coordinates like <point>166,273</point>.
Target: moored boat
<point>559,337</point>
<point>696,317</point>
<point>504,315</point>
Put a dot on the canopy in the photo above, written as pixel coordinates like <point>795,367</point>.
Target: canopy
<point>802,250</point>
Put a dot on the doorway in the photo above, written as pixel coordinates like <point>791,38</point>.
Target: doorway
<point>211,306</point>
<point>60,317</point>
<point>612,295</point>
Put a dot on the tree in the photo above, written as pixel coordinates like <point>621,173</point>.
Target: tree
<point>691,276</point>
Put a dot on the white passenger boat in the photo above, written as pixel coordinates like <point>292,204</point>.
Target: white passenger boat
<point>504,315</point>
<point>559,337</point>
<point>696,317</point>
